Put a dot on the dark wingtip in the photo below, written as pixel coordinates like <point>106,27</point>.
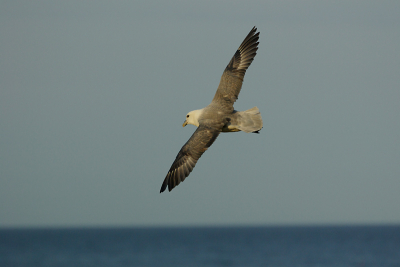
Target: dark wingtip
<point>258,131</point>
<point>254,31</point>
<point>164,186</point>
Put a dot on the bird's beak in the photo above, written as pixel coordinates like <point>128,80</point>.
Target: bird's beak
<point>184,124</point>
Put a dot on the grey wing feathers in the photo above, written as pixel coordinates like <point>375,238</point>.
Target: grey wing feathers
<point>232,78</point>
<point>187,157</point>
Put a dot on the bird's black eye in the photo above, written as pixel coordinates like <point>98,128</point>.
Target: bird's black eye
<point>187,116</point>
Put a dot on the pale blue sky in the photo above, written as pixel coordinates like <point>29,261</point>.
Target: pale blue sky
<point>93,95</point>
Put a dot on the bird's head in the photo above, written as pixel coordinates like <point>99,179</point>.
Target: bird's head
<point>193,118</point>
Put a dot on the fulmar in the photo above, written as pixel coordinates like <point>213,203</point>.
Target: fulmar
<point>219,116</point>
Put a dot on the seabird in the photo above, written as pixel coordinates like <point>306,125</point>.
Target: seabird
<point>219,116</point>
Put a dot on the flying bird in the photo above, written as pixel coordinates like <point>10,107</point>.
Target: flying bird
<point>219,116</point>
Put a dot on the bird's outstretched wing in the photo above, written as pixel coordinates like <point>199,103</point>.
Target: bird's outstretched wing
<point>189,154</point>
<point>232,78</point>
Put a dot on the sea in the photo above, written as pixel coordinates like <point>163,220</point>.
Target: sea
<point>298,246</point>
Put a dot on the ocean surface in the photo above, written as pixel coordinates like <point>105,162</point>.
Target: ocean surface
<point>360,246</point>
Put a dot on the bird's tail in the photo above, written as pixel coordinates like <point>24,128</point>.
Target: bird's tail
<point>250,120</point>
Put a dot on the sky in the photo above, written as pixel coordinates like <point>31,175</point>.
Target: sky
<point>93,95</point>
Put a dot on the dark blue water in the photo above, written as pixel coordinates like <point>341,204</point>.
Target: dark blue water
<point>213,246</point>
